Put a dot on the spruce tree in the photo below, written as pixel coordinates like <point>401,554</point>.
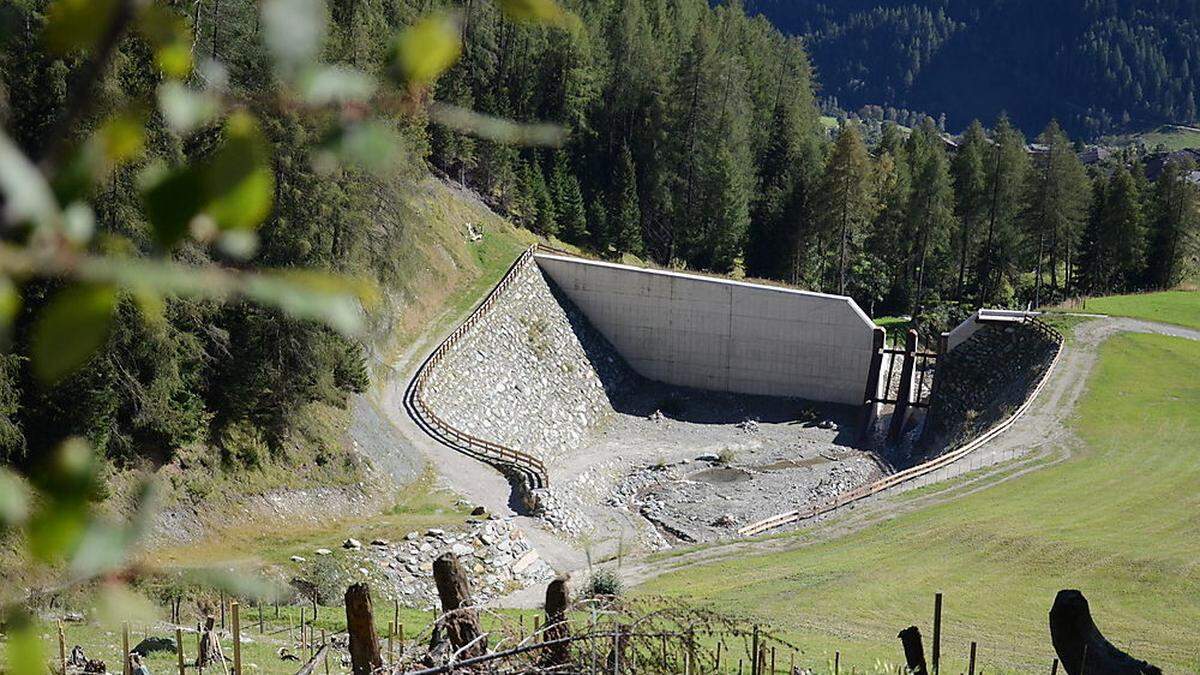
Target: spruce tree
<point>930,211</point>
<point>1124,228</point>
<point>545,219</point>
<point>626,213</point>
<point>568,201</point>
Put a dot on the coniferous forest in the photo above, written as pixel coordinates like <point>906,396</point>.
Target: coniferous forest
<point>693,141</point>
<point>1098,66</point>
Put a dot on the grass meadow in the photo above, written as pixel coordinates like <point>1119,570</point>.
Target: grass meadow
<point>1117,519</point>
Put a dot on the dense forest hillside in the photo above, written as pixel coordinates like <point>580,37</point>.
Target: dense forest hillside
<point>1097,66</point>
<point>689,135</point>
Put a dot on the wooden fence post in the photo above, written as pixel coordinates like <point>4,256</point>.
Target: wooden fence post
<point>234,610</point>
<point>391,646</point>
<point>837,662</point>
<point>937,632</point>
<point>179,650</point>
<point>557,601</point>
<point>460,620</point>
<point>754,652</point>
<point>914,652</point>
<point>126,669</point>
<point>262,626</point>
<point>62,648</point>
<point>222,610</point>
<point>971,662</point>
<point>360,623</point>
<point>324,652</point>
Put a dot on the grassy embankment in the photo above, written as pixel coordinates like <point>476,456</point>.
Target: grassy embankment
<point>1116,520</point>
<point>1180,307</point>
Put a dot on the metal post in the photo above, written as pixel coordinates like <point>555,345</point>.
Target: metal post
<point>937,631</point>
<point>904,396</point>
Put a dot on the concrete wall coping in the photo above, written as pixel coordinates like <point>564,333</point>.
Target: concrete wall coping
<point>712,280</point>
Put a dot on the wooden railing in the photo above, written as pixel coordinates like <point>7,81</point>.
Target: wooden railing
<point>501,456</point>
<point>864,491</point>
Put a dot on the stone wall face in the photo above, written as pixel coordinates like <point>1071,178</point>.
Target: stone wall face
<point>532,375</point>
<point>982,381</point>
<point>723,335</point>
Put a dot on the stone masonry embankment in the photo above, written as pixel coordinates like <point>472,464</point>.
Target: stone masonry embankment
<point>532,375</point>
<point>982,381</point>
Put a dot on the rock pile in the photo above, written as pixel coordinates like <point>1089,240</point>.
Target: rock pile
<point>495,553</point>
<point>532,374</point>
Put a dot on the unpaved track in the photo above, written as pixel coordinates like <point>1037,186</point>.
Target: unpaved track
<point>1041,437</point>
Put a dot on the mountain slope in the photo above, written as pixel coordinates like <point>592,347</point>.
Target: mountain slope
<point>1097,65</point>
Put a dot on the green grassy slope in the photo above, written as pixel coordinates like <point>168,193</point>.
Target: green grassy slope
<point>1117,520</point>
<point>1181,307</point>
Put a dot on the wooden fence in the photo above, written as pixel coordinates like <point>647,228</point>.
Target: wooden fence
<point>500,456</point>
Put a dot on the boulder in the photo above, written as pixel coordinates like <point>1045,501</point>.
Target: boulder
<point>352,544</point>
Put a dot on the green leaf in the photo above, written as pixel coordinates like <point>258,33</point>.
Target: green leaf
<point>10,302</point>
<point>171,200</point>
<point>70,329</point>
<point>336,84</point>
<point>55,529</point>
<point>117,603</point>
<point>14,500</point>
<point>426,49</point>
<point>542,11</point>
<point>78,24</point>
<point>307,294</point>
<point>185,109</point>
<point>239,180</point>
<point>122,138</point>
<point>293,32</point>
<point>23,652</point>
<point>373,145</point>
<point>168,34</point>
<point>28,195</point>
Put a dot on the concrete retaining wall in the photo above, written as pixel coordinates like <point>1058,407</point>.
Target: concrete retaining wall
<point>722,335</point>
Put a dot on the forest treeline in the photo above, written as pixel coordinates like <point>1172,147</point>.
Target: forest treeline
<point>1099,66</point>
<point>694,140</point>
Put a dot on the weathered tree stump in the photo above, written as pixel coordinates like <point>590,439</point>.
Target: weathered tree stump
<point>360,623</point>
<point>914,652</point>
<point>1074,634</point>
<point>209,650</point>
<point>459,620</point>
<point>558,598</point>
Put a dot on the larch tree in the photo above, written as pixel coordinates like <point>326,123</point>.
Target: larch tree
<point>848,196</point>
<point>970,196</point>
<point>1058,202</point>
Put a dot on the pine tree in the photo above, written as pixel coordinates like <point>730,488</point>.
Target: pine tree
<point>848,196</point>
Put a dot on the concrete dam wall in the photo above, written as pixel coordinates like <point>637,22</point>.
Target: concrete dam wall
<point>722,335</point>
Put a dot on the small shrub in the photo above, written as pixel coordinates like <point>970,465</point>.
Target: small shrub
<point>604,582</point>
<point>242,444</point>
<point>726,456</point>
